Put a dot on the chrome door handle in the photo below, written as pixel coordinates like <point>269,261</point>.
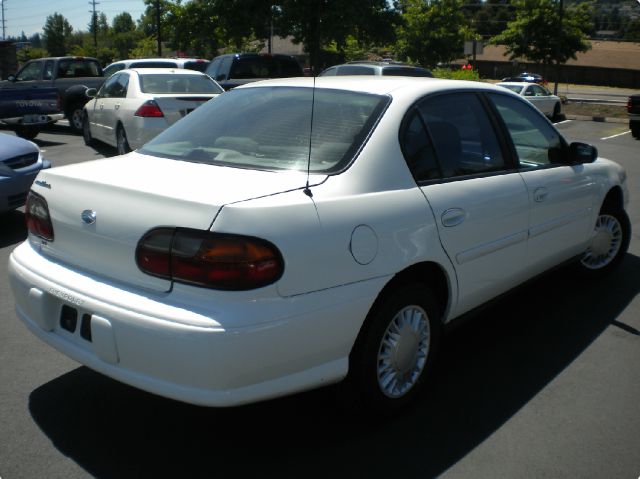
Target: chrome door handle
<point>453,217</point>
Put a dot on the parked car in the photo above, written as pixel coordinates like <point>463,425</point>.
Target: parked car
<point>26,110</point>
<point>197,64</point>
<point>298,232</point>
<point>633,108</point>
<point>543,99</point>
<point>135,105</point>
<point>71,76</point>
<point>377,68</point>
<point>20,162</point>
<point>526,77</point>
<point>234,69</point>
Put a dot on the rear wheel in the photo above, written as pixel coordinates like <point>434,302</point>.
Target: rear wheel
<point>609,243</point>
<point>75,116</point>
<point>556,112</point>
<point>395,349</point>
<point>635,130</point>
<point>122,144</point>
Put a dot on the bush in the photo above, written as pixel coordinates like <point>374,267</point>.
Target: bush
<point>457,74</point>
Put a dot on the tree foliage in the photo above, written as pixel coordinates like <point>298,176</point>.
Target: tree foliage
<point>432,32</point>
<point>538,35</point>
<point>57,32</point>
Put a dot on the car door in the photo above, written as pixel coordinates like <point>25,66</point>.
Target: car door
<point>478,198</point>
<point>561,196</point>
<point>95,109</point>
<point>111,105</point>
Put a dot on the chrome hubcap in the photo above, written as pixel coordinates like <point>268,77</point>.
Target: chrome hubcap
<point>403,351</point>
<point>605,243</point>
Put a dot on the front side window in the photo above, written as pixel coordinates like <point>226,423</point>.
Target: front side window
<point>115,87</point>
<point>269,128</point>
<point>463,138</point>
<point>537,143</point>
<point>30,72</point>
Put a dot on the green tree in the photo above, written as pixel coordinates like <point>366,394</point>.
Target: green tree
<point>124,35</point>
<point>57,32</point>
<point>432,32</point>
<point>536,33</point>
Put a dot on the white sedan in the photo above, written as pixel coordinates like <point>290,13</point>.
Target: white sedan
<point>134,105</point>
<point>539,96</point>
<point>295,233</point>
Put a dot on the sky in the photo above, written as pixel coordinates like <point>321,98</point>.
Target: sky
<point>30,15</point>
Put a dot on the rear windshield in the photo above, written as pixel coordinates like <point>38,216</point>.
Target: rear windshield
<point>264,67</point>
<point>406,72</point>
<point>153,65</point>
<point>77,68</point>
<point>169,83</point>
<point>197,65</point>
<point>515,88</point>
<point>269,128</point>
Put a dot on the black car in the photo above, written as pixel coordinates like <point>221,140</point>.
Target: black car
<point>527,77</point>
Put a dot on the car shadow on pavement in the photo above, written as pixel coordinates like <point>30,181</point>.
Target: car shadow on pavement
<point>13,228</point>
<point>489,369</point>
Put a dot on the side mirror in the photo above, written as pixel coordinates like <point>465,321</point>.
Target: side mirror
<point>91,92</point>
<point>580,153</point>
<point>11,78</point>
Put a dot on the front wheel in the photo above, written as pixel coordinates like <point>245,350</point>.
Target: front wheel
<point>395,349</point>
<point>608,245</point>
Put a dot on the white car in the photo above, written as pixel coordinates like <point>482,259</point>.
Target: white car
<point>197,64</point>
<point>134,105</point>
<point>539,96</point>
<point>295,233</point>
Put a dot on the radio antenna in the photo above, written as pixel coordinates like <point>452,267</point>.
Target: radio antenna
<point>306,190</point>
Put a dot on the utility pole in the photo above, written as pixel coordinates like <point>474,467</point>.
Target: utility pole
<point>158,28</point>
<point>94,17</point>
<point>3,25</point>
<point>559,39</point>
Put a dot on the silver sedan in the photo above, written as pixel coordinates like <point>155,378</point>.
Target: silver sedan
<point>539,96</point>
<point>133,106</point>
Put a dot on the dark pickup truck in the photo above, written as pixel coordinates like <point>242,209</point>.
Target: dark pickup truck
<point>71,76</point>
<point>27,110</point>
<point>633,108</point>
<point>235,69</point>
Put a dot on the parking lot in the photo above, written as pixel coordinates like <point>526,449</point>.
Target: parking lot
<point>543,383</point>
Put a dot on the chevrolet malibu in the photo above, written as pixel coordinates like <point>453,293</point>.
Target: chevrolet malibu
<point>292,234</point>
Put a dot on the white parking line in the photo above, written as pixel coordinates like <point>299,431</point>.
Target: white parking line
<point>613,136</point>
<point>562,122</point>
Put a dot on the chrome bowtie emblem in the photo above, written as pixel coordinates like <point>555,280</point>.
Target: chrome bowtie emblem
<point>88,217</point>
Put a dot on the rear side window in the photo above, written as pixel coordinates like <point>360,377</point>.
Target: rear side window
<point>460,133</point>
<point>269,128</point>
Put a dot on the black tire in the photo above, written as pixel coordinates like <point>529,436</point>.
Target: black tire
<point>86,130</point>
<point>612,233</point>
<point>557,113</point>
<point>122,144</point>
<point>75,116</point>
<point>385,376</point>
<point>27,132</point>
<point>635,131</point>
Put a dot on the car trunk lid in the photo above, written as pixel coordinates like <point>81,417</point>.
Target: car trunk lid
<point>175,107</point>
<point>131,195</point>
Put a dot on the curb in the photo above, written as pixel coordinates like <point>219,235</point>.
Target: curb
<point>600,119</point>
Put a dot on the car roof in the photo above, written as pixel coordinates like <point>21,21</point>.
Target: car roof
<point>163,71</point>
<point>379,85</point>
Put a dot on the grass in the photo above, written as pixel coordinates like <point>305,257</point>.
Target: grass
<point>591,109</point>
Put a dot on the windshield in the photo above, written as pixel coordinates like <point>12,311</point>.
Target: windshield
<point>269,128</point>
<point>171,83</point>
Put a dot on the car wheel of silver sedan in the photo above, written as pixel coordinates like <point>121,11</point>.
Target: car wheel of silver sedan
<point>122,144</point>
<point>396,348</point>
<point>609,243</point>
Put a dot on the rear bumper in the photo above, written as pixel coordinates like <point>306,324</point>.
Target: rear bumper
<point>189,352</point>
<point>33,120</point>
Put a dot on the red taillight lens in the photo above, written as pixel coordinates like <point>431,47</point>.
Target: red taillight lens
<point>149,109</point>
<point>629,105</point>
<point>37,216</point>
<point>213,260</point>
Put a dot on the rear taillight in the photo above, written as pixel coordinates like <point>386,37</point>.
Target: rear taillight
<point>37,216</point>
<point>149,109</point>
<point>213,260</point>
